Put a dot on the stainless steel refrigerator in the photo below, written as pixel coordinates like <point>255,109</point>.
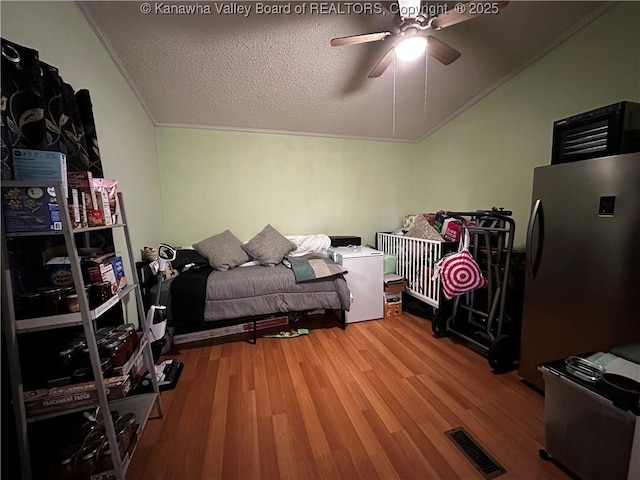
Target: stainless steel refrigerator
<point>582,291</point>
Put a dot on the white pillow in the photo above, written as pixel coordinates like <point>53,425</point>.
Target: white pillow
<point>250,263</point>
<point>306,244</point>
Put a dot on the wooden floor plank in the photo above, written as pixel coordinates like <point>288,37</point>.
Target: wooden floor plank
<point>372,401</point>
<point>233,463</point>
<point>287,462</point>
<point>317,437</point>
<point>269,467</point>
<point>215,443</point>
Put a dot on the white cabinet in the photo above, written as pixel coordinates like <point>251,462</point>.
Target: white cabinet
<point>365,280</point>
<point>140,405</point>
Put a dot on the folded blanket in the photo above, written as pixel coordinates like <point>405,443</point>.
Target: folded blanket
<point>311,267</point>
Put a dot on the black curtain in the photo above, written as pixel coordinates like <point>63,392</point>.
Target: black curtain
<point>91,138</point>
<point>40,111</point>
<point>22,106</point>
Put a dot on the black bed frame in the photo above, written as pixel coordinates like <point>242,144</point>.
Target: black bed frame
<point>147,281</point>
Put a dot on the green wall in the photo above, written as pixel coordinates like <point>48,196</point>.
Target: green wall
<point>486,156</point>
<point>213,180</point>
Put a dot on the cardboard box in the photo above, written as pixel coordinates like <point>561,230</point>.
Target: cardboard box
<point>59,272</point>
<point>107,268</point>
<point>118,272</point>
<point>74,209</point>
<point>395,287</point>
<point>230,330</point>
<point>90,267</point>
<point>82,200</point>
<point>103,206</point>
<point>393,297</point>
<point>40,165</point>
<point>392,309</point>
<point>106,191</point>
<point>83,181</point>
<point>112,271</point>
<point>30,209</point>
<point>393,301</point>
<point>56,399</point>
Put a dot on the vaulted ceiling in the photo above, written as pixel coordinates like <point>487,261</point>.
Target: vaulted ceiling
<point>221,68</point>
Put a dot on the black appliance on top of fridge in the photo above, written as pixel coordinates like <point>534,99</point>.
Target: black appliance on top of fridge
<point>605,131</point>
<point>582,291</point>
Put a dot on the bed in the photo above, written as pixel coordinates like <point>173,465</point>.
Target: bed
<point>204,298</point>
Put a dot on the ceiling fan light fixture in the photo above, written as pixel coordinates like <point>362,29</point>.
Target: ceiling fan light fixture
<point>411,48</point>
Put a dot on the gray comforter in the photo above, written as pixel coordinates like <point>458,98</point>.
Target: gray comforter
<point>258,290</point>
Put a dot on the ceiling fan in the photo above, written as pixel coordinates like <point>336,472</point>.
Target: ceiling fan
<point>409,36</point>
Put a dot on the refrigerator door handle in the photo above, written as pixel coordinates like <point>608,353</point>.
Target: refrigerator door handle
<point>533,262</point>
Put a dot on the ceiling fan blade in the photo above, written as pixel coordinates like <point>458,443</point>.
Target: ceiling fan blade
<point>442,52</point>
<point>462,13</point>
<point>383,63</point>
<point>353,39</point>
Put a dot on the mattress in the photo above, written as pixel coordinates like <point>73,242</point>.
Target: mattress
<point>205,296</point>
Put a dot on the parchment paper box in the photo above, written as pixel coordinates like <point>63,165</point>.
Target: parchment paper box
<point>44,401</point>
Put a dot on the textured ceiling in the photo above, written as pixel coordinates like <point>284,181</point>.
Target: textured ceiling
<point>278,72</point>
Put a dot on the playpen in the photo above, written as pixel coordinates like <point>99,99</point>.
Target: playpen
<point>415,260</point>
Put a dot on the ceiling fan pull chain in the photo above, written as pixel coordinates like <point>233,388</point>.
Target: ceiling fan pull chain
<point>426,75</point>
<point>393,121</point>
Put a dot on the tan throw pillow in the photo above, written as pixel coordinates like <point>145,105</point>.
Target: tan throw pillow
<point>269,247</point>
<point>223,251</point>
<point>422,229</point>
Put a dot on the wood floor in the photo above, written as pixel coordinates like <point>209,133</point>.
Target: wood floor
<point>370,402</point>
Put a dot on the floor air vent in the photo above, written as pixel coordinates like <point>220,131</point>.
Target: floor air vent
<point>471,449</point>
